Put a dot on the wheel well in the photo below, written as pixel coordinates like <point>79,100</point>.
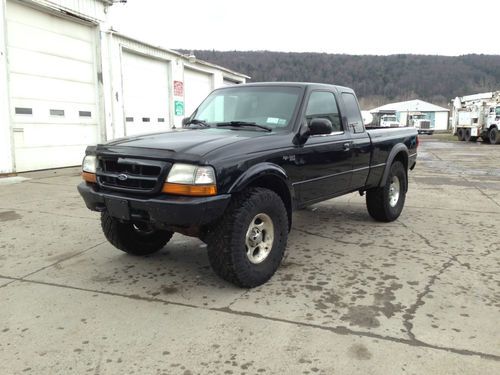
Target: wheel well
<point>279,186</point>
<point>403,158</point>
<point>492,126</point>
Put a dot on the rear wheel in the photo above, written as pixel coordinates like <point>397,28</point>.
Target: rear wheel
<point>486,137</point>
<point>247,245</point>
<point>460,134</point>
<point>134,238</point>
<point>386,203</point>
<point>494,136</point>
<point>467,135</point>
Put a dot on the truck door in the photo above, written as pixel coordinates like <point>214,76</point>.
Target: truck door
<point>493,116</point>
<point>322,166</point>
<point>361,144</point>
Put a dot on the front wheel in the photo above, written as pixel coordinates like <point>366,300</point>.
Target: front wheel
<point>494,136</point>
<point>134,238</point>
<point>460,134</point>
<point>385,203</point>
<point>247,245</point>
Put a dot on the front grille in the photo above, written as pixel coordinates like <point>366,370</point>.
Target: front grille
<point>425,124</point>
<point>131,175</point>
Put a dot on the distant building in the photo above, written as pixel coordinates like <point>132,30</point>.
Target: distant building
<point>438,116</point>
<point>68,80</point>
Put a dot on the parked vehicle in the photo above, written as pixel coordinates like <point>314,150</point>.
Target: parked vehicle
<point>420,122</point>
<point>247,158</point>
<point>389,121</point>
<point>477,116</point>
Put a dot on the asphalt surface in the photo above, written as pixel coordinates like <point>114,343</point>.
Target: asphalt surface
<point>417,296</point>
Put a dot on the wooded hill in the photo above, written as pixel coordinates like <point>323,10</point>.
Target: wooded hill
<point>376,79</point>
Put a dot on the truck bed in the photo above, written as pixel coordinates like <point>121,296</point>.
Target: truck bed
<point>383,141</point>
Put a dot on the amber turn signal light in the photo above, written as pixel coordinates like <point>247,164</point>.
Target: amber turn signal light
<point>89,177</point>
<point>192,190</point>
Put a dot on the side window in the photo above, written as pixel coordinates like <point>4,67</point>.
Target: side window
<point>322,104</point>
<point>352,113</point>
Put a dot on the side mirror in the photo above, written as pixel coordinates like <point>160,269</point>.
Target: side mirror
<point>320,126</point>
<point>316,126</point>
<point>185,121</point>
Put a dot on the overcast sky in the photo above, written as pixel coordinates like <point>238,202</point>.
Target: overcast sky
<point>381,27</point>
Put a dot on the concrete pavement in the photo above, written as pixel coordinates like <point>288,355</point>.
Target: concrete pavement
<point>420,295</point>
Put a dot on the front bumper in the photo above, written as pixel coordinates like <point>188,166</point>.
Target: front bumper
<point>161,209</point>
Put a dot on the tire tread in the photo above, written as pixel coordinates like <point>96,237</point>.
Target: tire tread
<point>222,239</point>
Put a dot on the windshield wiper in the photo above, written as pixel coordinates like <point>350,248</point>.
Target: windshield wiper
<point>244,123</point>
<point>197,122</point>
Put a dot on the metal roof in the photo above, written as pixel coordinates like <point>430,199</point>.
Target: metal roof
<point>171,51</point>
<point>410,106</point>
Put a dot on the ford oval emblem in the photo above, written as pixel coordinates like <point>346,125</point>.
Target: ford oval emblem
<point>122,177</point>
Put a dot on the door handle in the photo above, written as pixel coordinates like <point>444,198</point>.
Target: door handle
<point>346,146</point>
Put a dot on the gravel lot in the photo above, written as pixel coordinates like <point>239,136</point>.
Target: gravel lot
<point>417,296</point>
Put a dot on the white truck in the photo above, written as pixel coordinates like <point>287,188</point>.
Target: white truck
<point>477,116</point>
<point>420,122</point>
<point>389,121</point>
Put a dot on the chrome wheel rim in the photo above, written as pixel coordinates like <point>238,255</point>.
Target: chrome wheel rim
<point>259,238</point>
<point>394,189</point>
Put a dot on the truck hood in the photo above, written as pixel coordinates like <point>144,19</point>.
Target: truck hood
<point>197,142</point>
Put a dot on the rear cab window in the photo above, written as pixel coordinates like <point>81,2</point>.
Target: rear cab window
<point>352,113</point>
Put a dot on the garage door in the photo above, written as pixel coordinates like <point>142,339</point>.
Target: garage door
<point>145,94</point>
<point>52,84</point>
<point>197,85</point>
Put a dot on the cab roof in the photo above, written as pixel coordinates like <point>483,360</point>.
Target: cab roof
<point>306,85</point>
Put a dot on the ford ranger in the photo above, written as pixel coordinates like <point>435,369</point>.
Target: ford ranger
<point>246,158</point>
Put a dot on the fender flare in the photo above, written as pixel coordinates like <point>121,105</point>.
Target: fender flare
<point>400,147</point>
<point>260,170</point>
<point>267,169</point>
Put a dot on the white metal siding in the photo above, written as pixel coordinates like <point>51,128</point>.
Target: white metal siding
<point>441,121</point>
<point>93,9</point>
<point>197,85</point>
<point>51,67</point>
<point>228,82</point>
<point>145,93</point>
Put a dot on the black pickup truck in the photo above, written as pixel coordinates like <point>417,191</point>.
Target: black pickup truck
<point>242,163</point>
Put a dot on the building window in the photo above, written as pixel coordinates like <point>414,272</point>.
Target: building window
<point>85,113</point>
<point>24,111</point>
<point>57,112</point>
<point>145,119</point>
<point>129,119</point>
<point>161,119</point>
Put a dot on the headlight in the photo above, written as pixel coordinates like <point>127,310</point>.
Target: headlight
<point>89,164</point>
<point>190,180</point>
<point>191,174</point>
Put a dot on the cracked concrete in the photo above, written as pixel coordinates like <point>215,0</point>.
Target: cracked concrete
<point>420,295</point>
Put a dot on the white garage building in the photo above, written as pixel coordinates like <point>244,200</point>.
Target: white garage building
<point>66,81</point>
<point>437,115</point>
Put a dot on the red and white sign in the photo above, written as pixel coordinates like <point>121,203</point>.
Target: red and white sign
<point>178,88</point>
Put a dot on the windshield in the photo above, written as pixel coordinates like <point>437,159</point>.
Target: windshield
<point>392,118</point>
<point>269,106</point>
<point>497,111</point>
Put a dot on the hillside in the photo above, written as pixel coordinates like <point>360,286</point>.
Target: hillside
<point>376,79</point>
